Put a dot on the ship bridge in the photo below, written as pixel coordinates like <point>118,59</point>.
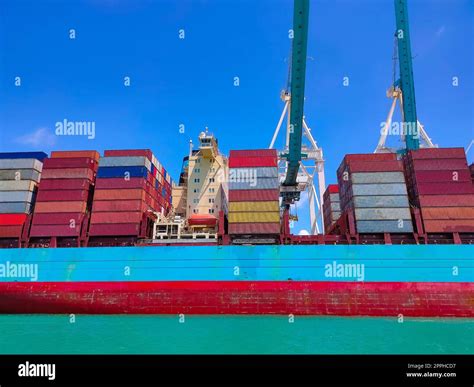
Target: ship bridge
<point>208,145</point>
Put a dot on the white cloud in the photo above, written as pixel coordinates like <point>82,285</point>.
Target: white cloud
<point>440,31</point>
<point>41,137</point>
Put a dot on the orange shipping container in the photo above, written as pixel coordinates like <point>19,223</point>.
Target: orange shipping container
<point>10,231</point>
<point>119,205</point>
<point>462,225</point>
<point>114,217</point>
<point>70,154</point>
<point>447,213</point>
<point>446,200</point>
<point>68,173</point>
<point>43,207</point>
<point>119,194</point>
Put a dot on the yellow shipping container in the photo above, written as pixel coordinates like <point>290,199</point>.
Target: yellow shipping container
<point>254,206</point>
<point>254,217</point>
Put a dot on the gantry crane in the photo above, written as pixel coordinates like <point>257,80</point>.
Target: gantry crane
<point>403,89</point>
<point>302,163</point>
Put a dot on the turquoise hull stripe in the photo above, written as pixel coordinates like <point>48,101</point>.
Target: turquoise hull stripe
<point>410,263</point>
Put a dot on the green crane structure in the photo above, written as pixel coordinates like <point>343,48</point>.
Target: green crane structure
<point>297,85</point>
<point>406,82</point>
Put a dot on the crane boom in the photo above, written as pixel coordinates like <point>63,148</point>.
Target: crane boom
<point>407,83</point>
<point>298,73</point>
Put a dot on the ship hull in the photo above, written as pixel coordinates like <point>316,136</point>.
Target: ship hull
<point>423,281</point>
<point>211,297</point>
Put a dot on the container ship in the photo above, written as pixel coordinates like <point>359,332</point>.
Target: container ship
<point>82,232</point>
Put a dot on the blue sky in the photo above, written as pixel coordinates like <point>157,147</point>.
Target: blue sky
<point>190,81</point>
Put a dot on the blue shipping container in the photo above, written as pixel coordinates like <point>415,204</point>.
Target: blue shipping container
<point>23,155</point>
<point>122,172</point>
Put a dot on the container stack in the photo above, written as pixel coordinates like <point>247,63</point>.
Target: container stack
<point>373,186</point>
<point>254,192</point>
<point>131,185</point>
<point>439,183</point>
<point>331,206</point>
<point>64,195</point>
<point>163,183</point>
<point>19,175</point>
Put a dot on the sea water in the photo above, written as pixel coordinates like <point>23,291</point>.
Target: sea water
<point>191,334</point>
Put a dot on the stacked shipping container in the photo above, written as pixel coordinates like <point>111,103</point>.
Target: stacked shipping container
<point>19,175</point>
<point>254,192</point>
<point>439,183</point>
<point>130,186</point>
<point>331,206</point>
<point>373,186</point>
<point>64,194</point>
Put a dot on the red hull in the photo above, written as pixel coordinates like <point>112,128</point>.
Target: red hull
<point>207,297</point>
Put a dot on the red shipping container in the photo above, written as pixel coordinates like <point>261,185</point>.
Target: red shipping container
<point>64,230</point>
<point>332,188</point>
<point>119,182</point>
<point>58,218</point>
<point>254,228</point>
<point>150,201</point>
<point>12,219</point>
<point>119,206</point>
<point>150,191</point>
<point>68,173</point>
<point>114,229</point>
<point>119,194</point>
<point>129,152</point>
<point>10,231</point>
<point>62,195</point>
<point>245,195</point>
<point>437,153</point>
<point>243,162</point>
<point>444,188</point>
<point>73,154</point>
<point>79,162</point>
<point>438,164</point>
<point>446,200</point>
<point>442,176</point>
<point>380,166</point>
<point>64,184</point>
<point>52,207</point>
<point>369,157</point>
<point>253,153</point>
<point>460,225</point>
<point>114,217</point>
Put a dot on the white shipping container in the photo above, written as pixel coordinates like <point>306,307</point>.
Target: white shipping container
<point>16,196</point>
<point>21,164</point>
<point>255,183</point>
<point>381,226</point>
<point>377,177</point>
<point>379,189</point>
<point>385,201</point>
<point>20,174</point>
<point>15,208</point>
<point>17,185</point>
<point>382,213</point>
<point>125,161</point>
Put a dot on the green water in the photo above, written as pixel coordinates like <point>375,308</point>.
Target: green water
<point>56,334</point>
